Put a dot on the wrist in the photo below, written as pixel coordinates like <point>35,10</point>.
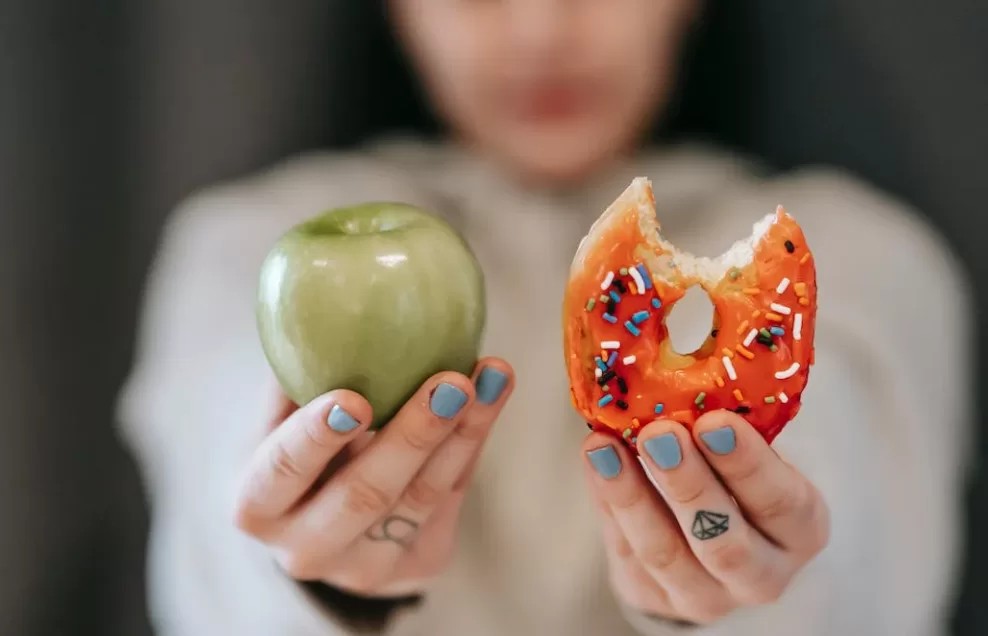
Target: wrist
<point>360,614</point>
<point>649,622</point>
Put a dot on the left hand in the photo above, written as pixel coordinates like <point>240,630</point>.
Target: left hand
<point>732,525</point>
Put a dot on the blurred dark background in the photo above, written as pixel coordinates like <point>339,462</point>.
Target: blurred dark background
<point>113,110</point>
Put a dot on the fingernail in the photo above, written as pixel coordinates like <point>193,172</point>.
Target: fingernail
<point>447,400</point>
<point>490,385</point>
<point>720,441</point>
<point>605,461</point>
<point>664,450</point>
<point>341,421</point>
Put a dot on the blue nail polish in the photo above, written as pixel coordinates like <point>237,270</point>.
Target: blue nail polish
<point>605,461</point>
<point>664,450</point>
<point>447,400</point>
<point>341,421</point>
<point>720,441</point>
<point>490,385</point>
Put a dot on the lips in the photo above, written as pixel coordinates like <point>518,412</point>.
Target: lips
<point>552,102</point>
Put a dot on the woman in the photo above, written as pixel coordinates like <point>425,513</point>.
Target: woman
<point>550,530</point>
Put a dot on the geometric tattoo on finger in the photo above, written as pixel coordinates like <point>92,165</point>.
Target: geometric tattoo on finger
<point>708,525</point>
<point>395,528</point>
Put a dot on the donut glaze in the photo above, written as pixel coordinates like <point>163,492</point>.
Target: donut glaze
<point>624,279</point>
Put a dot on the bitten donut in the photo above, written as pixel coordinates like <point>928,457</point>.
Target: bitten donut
<point>625,277</point>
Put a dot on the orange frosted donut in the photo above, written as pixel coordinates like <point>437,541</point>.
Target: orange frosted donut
<point>622,368</point>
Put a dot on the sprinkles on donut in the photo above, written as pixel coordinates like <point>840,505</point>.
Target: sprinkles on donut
<point>624,279</point>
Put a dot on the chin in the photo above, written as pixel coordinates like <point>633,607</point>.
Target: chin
<point>558,169</point>
<point>565,156</point>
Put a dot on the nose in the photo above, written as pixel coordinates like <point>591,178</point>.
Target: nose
<point>538,27</point>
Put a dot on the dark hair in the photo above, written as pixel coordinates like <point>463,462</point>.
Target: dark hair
<point>382,92</point>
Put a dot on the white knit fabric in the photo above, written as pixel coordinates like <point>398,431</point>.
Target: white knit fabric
<point>883,430</point>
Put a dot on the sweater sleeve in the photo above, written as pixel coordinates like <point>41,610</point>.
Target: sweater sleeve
<point>886,421</point>
<point>192,408</point>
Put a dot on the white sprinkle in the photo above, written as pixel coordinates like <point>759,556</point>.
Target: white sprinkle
<point>610,344</point>
<point>597,372</point>
<point>729,367</point>
<point>636,275</point>
<point>783,285</point>
<point>782,309</point>
<point>783,397</point>
<point>607,281</point>
<point>751,336</point>
<point>797,327</point>
<point>629,360</point>
<point>788,373</point>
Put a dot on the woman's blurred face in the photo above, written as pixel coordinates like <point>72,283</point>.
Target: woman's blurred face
<point>551,88</point>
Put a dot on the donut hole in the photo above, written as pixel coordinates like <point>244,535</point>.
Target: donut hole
<point>690,321</point>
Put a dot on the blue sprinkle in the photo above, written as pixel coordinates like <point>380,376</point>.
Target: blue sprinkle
<point>604,401</point>
<point>659,408</point>
<point>657,303</point>
<point>640,317</point>
<point>615,296</point>
<point>645,277</point>
<point>611,319</point>
<point>600,363</point>
<point>612,359</point>
<point>633,329</point>
<point>777,331</point>
<point>634,440</point>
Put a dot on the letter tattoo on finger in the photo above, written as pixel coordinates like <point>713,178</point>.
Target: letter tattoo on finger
<point>394,528</point>
<point>709,525</point>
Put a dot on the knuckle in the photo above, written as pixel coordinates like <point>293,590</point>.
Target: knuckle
<point>816,530</point>
<point>623,549</point>
<point>785,504</point>
<point>421,495</point>
<point>244,518</point>
<point>660,556</point>
<point>730,557</point>
<point>767,589</point>
<point>626,498</point>
<point>686,491</point>
<point>299,566</point>
<point>363,498</point>
<point>423,434</point>
<point>317,433</point>
<point>744,471</point>
<point>708,611</point>
<point>474,431</point>
<point>821,535</point>
<point>283,462</point>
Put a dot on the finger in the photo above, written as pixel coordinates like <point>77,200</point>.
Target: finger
<point>751,568</point>
<point>293,456</point>
<point>493,390</point>
<point>634,586</point>
<point>367,488</point>
<point>394,534</point>
<point>619,485</point>
<point>442,473</point>
<point>776,498</point>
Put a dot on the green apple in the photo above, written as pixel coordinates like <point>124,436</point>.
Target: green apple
<point>373,298</point>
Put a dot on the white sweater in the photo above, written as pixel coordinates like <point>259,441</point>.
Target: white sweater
<point>884,430</point>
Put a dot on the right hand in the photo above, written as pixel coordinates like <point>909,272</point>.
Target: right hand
<point>373,514</point>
